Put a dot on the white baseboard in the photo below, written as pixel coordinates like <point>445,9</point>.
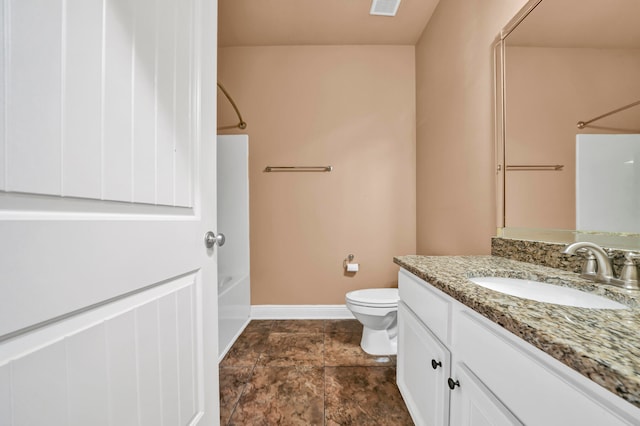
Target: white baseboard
<point>300,312</point>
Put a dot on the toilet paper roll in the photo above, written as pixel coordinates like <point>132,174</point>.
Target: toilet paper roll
<point>352,267</point>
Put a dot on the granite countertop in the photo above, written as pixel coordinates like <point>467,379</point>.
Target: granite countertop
<point>601,344</point>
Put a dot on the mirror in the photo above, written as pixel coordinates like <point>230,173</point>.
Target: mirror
<point>560,62</point>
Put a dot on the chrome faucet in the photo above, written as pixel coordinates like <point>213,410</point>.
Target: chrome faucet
<point>604,267</point>
<point>603,272</point>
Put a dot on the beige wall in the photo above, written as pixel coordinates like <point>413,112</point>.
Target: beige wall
<point>454,116</point>
<point>548,91</point>
<point>352,107</point>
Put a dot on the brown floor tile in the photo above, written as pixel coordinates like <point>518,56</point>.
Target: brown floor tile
<point>245,351</point>
<point>307,373</point>
<point>290,349</point>
<point>298,326</point>
<point>232,383</point>
<point>343,326</point>
<point>344,350</point>
<point>363,396</point>
<point>259,326</point>
<point>282,396</point>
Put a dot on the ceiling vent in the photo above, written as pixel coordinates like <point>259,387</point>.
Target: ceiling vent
<point>384,7</point>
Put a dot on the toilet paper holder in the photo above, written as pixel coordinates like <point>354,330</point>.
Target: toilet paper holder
<point>348,265</point>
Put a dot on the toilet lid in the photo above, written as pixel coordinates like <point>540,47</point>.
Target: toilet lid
<point>374,296</point>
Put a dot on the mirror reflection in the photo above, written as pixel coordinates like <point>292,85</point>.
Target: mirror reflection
<point>571,61</point>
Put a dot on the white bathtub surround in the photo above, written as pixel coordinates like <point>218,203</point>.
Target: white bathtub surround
<point>608,182</point>
<point>233,221</point>
<point>267,312</point>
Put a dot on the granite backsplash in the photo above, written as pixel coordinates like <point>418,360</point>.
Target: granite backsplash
<point>545,254</point>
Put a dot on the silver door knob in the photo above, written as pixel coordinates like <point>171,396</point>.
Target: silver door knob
<point>211,239</point>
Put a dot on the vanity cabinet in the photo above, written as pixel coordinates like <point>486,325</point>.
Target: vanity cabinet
<point>488,375</point>
<point>424,376</point>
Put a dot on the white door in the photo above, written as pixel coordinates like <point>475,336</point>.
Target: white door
<point>108,299</point>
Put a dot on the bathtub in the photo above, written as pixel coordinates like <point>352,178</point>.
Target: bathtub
<point>233,309</point>
<point>234,304</point>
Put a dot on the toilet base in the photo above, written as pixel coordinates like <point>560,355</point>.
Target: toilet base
<point>378,342</point>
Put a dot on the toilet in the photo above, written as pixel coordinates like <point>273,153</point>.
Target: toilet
<point>377,311</point>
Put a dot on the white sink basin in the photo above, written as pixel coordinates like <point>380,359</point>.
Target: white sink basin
<point>548,293</point>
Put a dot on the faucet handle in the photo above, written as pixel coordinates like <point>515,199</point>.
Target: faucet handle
<point>629,273</point>
<point>631,255</point>
<point>590,265</point>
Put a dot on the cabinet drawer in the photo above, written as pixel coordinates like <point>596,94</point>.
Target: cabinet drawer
<point>430,305</point>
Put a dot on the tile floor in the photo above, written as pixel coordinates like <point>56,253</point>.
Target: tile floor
<point>307,372</point>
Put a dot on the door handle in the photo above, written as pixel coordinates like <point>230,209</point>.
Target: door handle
<point>211,239</point>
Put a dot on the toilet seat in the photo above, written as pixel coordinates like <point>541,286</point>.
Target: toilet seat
<point>374,297</point>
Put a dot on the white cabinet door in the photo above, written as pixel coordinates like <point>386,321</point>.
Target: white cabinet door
<point>108,296</point>
<point>423,367</point>
<point>472,404</point>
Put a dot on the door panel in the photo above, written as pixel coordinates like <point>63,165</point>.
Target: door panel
<point>3,95</point>
<point>166,112</point>
<point>5,394</point>
<point>82,98</point>
<point>122,369</point>
<point>149,396</point>
<point>169,357</point>
<point>118,101</point>
<point>33,96</point>
<point>143,345</point>
<point>144,132</point>
<point>107,127</point>
<point>87,377</point>
<point>186,341</point>
<point>183,178</point>
<point>38,379</point>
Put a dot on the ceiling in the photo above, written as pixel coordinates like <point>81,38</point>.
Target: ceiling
<point>580,23</point>
<point>318,22</point>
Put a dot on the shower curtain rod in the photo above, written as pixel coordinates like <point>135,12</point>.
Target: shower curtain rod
<point>241,124</point>
<point>582,124</point>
